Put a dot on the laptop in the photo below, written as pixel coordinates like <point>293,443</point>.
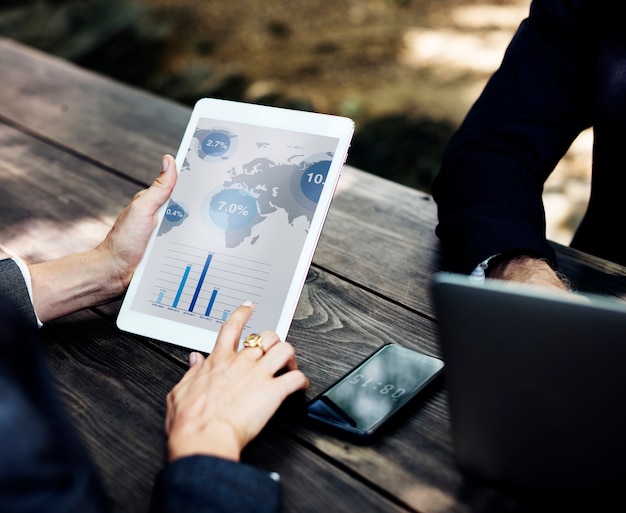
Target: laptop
<point>537,385</point>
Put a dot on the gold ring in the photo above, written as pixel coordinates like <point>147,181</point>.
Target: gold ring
<point>254,340</point>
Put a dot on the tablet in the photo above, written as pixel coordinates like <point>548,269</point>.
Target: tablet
<point>253,190</point>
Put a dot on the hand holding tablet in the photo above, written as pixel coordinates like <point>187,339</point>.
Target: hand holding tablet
<point>254,187</point>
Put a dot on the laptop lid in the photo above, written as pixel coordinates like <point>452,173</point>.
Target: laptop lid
<point>536,383</point>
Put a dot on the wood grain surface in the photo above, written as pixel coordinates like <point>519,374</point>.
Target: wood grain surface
<point>74,149</point>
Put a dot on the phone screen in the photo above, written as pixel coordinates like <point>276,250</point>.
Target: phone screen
<point>364,399</point>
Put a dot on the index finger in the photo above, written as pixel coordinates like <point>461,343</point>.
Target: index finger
<point>230,332</point>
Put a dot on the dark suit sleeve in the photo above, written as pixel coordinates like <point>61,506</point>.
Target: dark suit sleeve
<point>43,465</point>
<point>203,484</point>
<point>14,289</point>
<point>489,188</point>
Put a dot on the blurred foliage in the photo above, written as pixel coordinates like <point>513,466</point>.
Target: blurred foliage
<point>131,42</point>
<point>117,38</point>
<point>402,149</point>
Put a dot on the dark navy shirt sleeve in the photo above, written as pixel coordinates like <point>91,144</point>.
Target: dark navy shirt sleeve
<point>204,484</point>
<point>44,467</point>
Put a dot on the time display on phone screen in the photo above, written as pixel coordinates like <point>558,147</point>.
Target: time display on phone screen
<point>383,388</point>
<point>365,398</point>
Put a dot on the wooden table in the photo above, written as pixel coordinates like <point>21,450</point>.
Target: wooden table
<point>75,147</point>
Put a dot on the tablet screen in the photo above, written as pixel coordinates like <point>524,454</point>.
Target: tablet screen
<point>236,225</point>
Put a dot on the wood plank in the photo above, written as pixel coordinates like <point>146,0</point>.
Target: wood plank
<point>115,391</point>
<point>126,130</point>
<point>312,484</point>
<point>592,274</point>
<point>117,126</point>
<point>52,203</point>
<point>380,235</point>
<point>38,200</point>
<point>413,461</point>
<point>52,181</point>
<point>109,387</point>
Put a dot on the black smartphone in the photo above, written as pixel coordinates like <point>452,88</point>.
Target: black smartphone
<point>369,395</point>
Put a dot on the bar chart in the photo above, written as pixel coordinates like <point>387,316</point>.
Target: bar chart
<point>204,283</point>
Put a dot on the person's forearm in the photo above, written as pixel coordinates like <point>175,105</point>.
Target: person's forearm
<point>73,282</point>
<point>78,281</point>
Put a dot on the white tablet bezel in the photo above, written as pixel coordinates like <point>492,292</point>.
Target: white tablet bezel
<point>201,339</point>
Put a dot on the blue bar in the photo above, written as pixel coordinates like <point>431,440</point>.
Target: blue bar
<point>160,297</point>
<point>200,282</point>
<point>211,301</point>
<point>181,286</point>
<point>225,314</point>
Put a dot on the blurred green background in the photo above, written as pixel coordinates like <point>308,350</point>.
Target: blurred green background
<point>405,70</point>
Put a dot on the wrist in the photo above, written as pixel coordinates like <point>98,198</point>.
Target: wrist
<point>114,279</point>
<point>73,282</point>
<point>216,439</point>
<point>527,269</point>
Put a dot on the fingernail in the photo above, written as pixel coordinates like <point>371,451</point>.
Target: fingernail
<point>165,164</point>
<point>193,358</point>
<point>247,303</point>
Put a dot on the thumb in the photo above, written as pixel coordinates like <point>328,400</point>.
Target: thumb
<point>161,188</point>
<point>195,358</point>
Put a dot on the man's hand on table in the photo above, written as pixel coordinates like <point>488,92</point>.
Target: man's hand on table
<point>529,270</point>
